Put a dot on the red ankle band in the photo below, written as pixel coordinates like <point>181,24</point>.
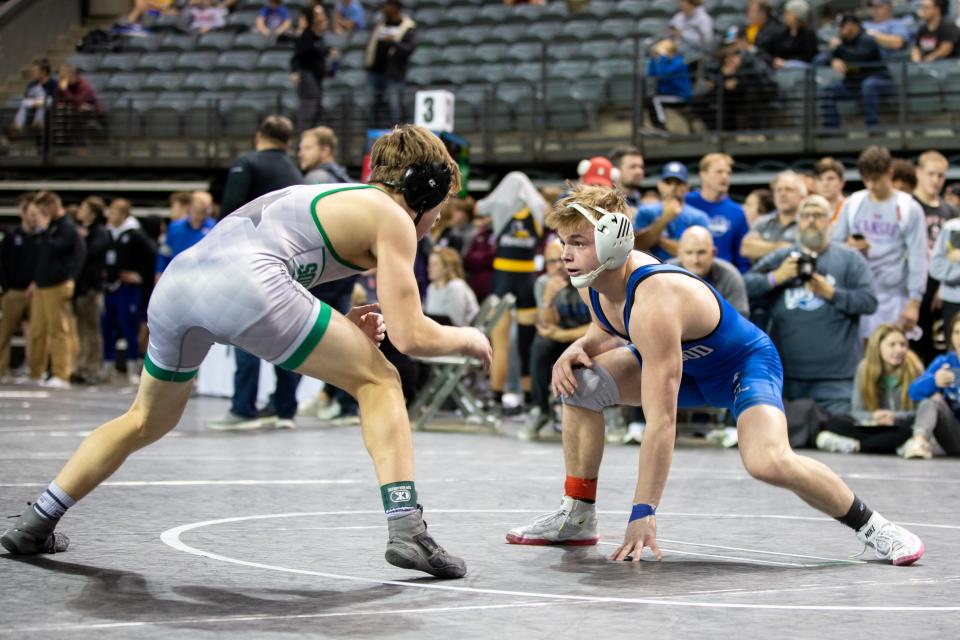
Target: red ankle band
<point>580,488</point>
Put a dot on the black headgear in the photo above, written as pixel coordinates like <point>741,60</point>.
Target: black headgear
<point>424,186</point>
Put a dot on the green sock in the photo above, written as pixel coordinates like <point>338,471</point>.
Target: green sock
<point>399,498</point>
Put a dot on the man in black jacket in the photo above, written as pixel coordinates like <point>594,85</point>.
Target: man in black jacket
<point>309,66</point>
<point>130,259</point>
<point>392,42</point>
<point>59,257</point>
<point>17,264</point>
<point>88,299</point>
<point>859,63</point>
<point>254,174</point>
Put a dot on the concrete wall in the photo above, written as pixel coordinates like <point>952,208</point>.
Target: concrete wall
<point>27,27</point>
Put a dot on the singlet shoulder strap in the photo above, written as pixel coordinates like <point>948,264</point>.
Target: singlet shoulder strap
<point>644,272</point>
<point>601,316</point>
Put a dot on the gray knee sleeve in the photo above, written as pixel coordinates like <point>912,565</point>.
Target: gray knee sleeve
<point>596,389</point>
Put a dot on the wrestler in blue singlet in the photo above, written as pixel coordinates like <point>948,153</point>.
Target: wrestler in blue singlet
<point>735,366</point>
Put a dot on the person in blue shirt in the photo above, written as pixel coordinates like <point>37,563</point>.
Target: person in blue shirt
<point>188,231</point>
<point>728,222</point>
<point>666,64</point>
<point>348,16</point>
<point>274,19</point>
<point>938,393</point>
<point>659,226</point>
<point>664,338</point>
<point>892,34</point>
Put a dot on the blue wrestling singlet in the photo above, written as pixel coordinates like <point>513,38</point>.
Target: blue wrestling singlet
<point>735,366</point>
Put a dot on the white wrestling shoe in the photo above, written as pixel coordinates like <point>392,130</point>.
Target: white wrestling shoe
<point>891,541</point>
<point>574,523</point>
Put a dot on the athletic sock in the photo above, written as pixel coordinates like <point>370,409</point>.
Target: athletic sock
<point>399,498</point>
<point>581,489</point>
<point>858,515</point>
<point>53,503</point>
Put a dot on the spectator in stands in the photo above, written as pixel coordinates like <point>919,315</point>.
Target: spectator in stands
<point>938,393</point>
<point>179,204</point>
<point>952,195</point>
<point>888,227</point>
<point>59,256</point>
<point>728,223</point>
<point>945,270</point>
<point>130,260</point>
<point>479,253</point>
<point>778,229</point>
<point>880,399</point>
<point>858,62</point>
<point>42,87</point>
<point>741,90</point>
<point>18,255</point>
<point>150,9</point>
<point>673,80</point>
<point>659,226</point>
<point>255,174</point>
<point>828,173</point>
<point>822,288</point>
<point>312,61</point>
<point>763,30</point>
<point>204,16</point>
<point>186,232</point>
<point>318,157</point>
<point>937,37</point>
<point>797,46</point>
<point>348,17</point>
<point>88,298</point>
<point>562,317</point>
<point>449,297</point>
<point>692,28</point>
<point>630,164</point>
<point>894,35</point>
<point>273,20</point>
<point>454,227</point>
<point>758,202</point>
<point>78,108</point>
<point>931,172</point>
<point>904,175</point>
<point>697,254</point>
<point>392,42</point>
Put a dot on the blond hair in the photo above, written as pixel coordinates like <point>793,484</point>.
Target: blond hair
<point>407,145</point>
<point>871,371</point>
<point>707,161</point>
<point>47,201</point>
<point>452,265</point>
<point>932,156</point>
<point>563,217</point>
<point>323,136</point>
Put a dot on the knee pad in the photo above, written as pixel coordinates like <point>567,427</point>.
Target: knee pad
<point>596,389</point>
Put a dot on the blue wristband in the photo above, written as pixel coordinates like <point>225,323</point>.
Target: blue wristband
<point>642,511</point>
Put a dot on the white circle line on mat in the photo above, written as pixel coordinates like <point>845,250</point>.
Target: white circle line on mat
<point>171,537</point>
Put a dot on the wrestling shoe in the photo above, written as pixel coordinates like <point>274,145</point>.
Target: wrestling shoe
<point>574,523</point>
<point>536,420</point>
<point>33,534</point>
<point>890,541</point>
<point>409,546</point>
<point>836,443</point>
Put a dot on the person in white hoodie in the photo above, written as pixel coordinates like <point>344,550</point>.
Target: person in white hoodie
<point>888,227</point>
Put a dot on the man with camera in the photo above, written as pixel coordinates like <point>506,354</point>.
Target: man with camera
<point>821,289</point>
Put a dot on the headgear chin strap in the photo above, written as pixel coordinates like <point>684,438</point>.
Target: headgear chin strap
<point>613,241</point>
<point>424,186</point>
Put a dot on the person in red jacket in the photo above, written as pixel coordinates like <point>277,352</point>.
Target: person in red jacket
<point>77,105</point>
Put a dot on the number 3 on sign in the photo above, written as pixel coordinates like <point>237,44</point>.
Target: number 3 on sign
<point>434,110</point>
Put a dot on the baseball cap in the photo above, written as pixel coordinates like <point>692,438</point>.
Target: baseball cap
<point>596,170</point>
<point>843,18</point>
<point>675,170</point>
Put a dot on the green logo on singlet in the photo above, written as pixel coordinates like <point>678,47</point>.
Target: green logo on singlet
<point>306,273</point>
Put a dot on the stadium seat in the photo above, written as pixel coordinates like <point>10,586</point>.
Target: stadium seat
<point>177,42</point>
<point>162,119</point>
<point>354,59</point>
<point>496,14</point>
<point>524,52</point>
<point>660,8</point>
<point>630,8</point>
<point>125,118</point>
<point>278,81</point>
<point>600,9</point>
<point>195,61</point>
<point>203,81</point>
<point>140,44</point>
<point>241,20</point>
<point>163,82</point>
<point>243,81</point>
<point>118,62</point>
<point>237,61</point>
<point>215,41</point>
<point>99,80</point>
<point>923,90</point>
<point>86,62</point>
<point>274,61</point>
<point>462,16</point>
<point>250,40</point>
<point>162,61</point>
<point>119,82</point>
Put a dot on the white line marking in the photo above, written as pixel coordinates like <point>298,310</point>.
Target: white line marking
<point>193,483</point>
<point>171,537</point>
<point>772,553</point>
<point>269,617</point>
<point>24,394</point>
<point>712,555</point>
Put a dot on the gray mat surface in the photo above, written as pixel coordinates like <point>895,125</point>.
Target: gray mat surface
<point>281,534</point>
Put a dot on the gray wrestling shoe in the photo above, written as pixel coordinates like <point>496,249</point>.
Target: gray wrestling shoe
<point>409,546</point>
<point>33,534</point>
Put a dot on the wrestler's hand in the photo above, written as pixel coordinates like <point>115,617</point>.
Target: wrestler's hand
<point>478,346</point>
<point>369,321</point>
<point>640,533</point>
<point>564,383</point>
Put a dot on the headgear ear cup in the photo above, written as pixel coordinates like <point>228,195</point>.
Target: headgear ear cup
<point>425,186</point>
<point>613,242</point>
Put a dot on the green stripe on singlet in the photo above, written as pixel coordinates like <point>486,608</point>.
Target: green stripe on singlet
<point>313,338</point>
<point>316,220</point>
<point>166,375</point>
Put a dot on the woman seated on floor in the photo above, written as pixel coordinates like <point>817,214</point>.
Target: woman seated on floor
<point>882,412</point>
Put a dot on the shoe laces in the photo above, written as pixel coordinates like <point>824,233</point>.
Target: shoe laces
<point>548,518</point>
<point>886,541</point>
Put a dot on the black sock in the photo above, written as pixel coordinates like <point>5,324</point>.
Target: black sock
<point>857,516</point>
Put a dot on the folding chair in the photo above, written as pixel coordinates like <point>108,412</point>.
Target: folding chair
<point>447,374</point>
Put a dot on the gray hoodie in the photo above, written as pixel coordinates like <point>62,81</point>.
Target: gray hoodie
<point>944,269</point>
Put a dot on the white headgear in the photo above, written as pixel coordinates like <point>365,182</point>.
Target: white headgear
<point>613,241</point>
